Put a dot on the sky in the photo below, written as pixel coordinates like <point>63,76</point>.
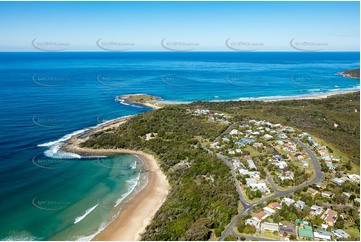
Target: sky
<point>179,26</point>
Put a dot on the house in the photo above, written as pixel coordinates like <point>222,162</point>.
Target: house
<point>269,210</point>
<point>299,156</point>
<point>282,135</point>
<point>269,227</point>
<point>330,165</point>
<point>312,191</point>
<point>275,205</point>
<point>225,139</point>
<point>344,216</point>
<point>354,177</point>
<point>341,233</point>
<point>257,145</point>
<point>267,137</point>
<point>330,217</point>
<point>247,140</point>
<point>348,195</point>
<point>304,229</point>
<point>260,216</point>
<point>300,204</point>
<point>304,134</point>
<point>279,142</point>
<point>234,132</point>
<point>287,201</point>
<point>289,129</point>
<point>338,181</point>
<point>236,164</point>
<point>257,185</point>
<point>316,210</point>
<point>253,222</point>
<point>322,235</point>
<point>321,186</point>
<point>243,126</point>
<point>241,144</point>
<point>288,228</point>
<point>304,163</point>
<point>281,165</point>
<point>231,152</point>
<point>327,194</point>
<point>276,125</point>
<point>251,164</point>
<point>252,174</point>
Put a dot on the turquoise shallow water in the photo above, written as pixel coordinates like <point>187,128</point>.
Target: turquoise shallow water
<point>45,97</point>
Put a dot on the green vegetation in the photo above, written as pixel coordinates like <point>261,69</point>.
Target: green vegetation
<point>203,198</point>
<point>315,116</point>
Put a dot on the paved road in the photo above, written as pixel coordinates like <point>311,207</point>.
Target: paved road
<point>230,127</point>
<point>247,207</point>
<point>270,181</point>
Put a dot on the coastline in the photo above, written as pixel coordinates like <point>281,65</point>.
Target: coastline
<point>139,208</point>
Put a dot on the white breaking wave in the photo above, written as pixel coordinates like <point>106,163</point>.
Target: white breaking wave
<point>90,237</point>
<point>134,165</point>
<point>132,184</point>
<point>55,152</point>
<point>21,238</point>
<point>78,219</point>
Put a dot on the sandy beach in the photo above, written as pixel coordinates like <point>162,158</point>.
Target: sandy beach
<point>137,212</point>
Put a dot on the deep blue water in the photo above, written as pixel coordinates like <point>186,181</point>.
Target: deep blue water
<point>45,96</point>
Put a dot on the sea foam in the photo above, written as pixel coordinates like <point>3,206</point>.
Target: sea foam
<point>55,152</point>
<point>80,218</point>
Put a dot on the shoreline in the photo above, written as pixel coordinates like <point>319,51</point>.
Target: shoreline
<point>140,206</point>
<point>258,99</point>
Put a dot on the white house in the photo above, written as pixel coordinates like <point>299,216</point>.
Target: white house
<point>267,137</point>
<point>300,204</point>
<point>252,221</point>
<point>234,132</point>
<point>269,226</point>
<point>323,235</point>
<point>341,233</point>
<point>316,210</point>
<point>287,201</point>
<point>269,210</point>
<point>251,164</point>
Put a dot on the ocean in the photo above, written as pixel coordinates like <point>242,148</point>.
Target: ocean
<point>45,97</point>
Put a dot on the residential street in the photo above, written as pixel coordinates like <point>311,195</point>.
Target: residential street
<point>247,207</point>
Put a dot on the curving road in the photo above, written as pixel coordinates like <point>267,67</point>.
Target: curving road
<point>247,207</point>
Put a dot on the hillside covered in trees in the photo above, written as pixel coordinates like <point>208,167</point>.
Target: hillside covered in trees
<point>203,198</point>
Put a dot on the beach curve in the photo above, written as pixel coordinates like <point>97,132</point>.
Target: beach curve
<point>138,211</point>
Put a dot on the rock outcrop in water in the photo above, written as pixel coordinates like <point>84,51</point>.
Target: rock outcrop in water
<point>355,73</point>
